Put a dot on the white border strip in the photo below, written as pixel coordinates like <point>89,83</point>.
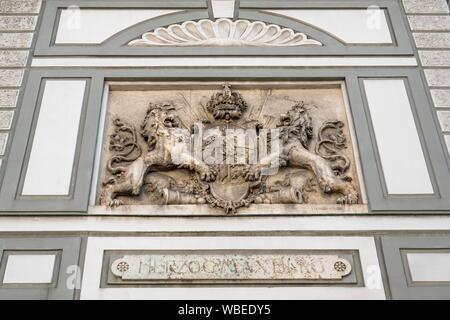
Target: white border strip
<point>365,245</point>
<point>227,62</point>
<point>98,149</point>
<point>222,224</point>
<point>354,143</point>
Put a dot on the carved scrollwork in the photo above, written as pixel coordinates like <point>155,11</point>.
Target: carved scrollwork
<point>125,145</point>
<point>331,138</point>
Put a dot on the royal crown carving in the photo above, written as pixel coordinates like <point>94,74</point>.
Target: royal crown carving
<point>229,158</point>
<point>224,33</point>
<point>227,105</point>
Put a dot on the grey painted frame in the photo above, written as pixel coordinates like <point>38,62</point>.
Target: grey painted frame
<point>393,248</point>
<point>10,198</point>
<point>427,125</point>
<point>81,126</point>
<point>418,113</point>
<point>68,249</point>
<point>194,10</point>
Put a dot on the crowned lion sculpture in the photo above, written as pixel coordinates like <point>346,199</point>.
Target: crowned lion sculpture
<point>168,149</point>
<point>296,132</point>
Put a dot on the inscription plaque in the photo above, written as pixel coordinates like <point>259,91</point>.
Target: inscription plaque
<point>230,267</point>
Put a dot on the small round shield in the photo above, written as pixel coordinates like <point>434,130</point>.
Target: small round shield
<point>234,192</point>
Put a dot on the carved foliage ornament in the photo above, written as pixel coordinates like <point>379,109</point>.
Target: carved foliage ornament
<point>224,33</point>
<point>222,171</point>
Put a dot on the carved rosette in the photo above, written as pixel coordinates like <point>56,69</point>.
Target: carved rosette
<point>224,33</point>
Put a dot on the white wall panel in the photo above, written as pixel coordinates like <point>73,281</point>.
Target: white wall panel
<point>429,266</point>
<point>52,154</point>
<point>349,25</point>
<point>402,159</point>
<point>29,268</point>
<point>93,26</point>
<point>223,8</point>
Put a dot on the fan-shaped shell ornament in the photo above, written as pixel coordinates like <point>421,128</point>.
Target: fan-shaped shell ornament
<point>224,33</point>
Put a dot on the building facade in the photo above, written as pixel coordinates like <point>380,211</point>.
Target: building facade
<point>224,149</point>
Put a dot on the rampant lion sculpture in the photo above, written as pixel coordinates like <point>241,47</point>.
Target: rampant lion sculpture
<point>160,129</point>
<point>295,135</point>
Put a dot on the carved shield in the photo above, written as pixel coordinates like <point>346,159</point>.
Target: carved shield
<point>227,149</point>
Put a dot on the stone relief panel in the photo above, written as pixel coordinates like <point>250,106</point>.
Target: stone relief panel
<point>228,147</point>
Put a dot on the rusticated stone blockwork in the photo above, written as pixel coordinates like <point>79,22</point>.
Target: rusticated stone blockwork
<point>18,19</point>
<point>20,6</point>
<point>429,21</point>
<point>271,143</point>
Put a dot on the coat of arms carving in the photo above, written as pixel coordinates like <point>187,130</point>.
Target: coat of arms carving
<point>229,156</point>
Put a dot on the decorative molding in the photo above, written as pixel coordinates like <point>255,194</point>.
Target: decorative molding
<point>225,61</point>
<point>224,33</point>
